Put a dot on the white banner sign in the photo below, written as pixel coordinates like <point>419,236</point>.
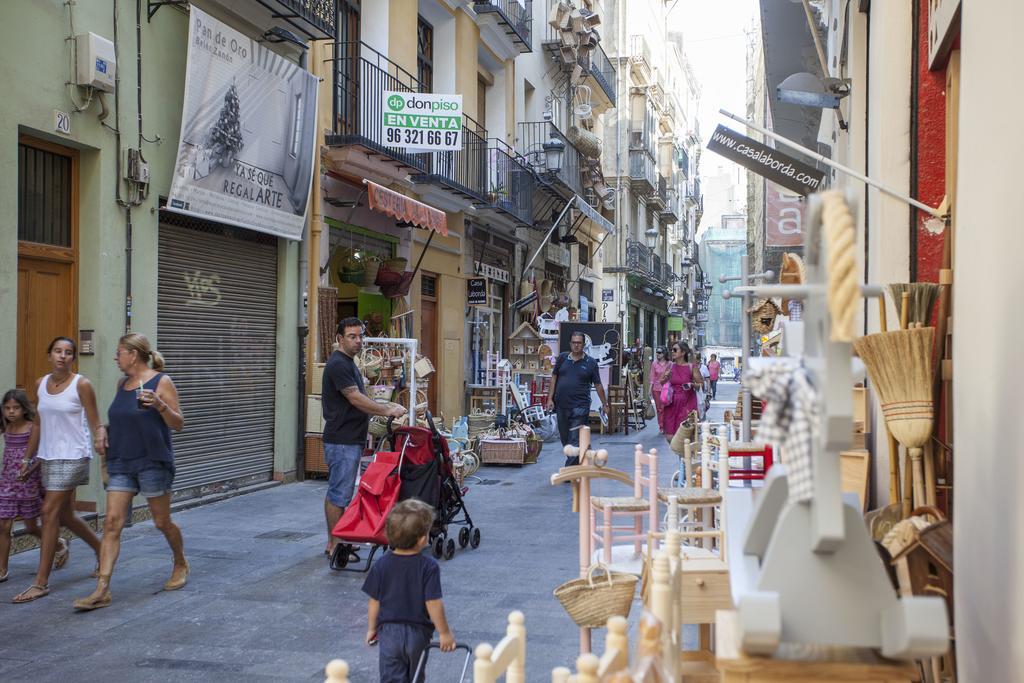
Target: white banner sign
<point>423,121</point>
<point>247,133</point>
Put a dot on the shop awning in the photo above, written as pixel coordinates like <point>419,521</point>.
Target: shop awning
<point>590,212</point>
<point>403,208</point>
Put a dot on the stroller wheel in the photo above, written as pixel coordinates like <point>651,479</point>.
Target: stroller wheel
<point>439,547</point>
<point>474,538</point>
<point>463,537</point>
<point>449,549</point>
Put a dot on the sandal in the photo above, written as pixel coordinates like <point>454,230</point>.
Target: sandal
<point>60,558</point>
<point>23,596</point>
<point>90,603</point>
<point>5,576</point>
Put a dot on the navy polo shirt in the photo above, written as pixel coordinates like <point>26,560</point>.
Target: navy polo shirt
<point>575,378</point>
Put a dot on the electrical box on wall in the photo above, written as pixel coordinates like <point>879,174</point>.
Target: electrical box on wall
<point>96,64</point>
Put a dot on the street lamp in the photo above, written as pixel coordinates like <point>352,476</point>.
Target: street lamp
<point>554,150</point>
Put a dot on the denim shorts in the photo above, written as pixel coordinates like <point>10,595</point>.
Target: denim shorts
<point>152,482</point>
<point>342,466</point>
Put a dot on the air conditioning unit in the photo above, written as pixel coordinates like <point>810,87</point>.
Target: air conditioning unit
<point>97,67</point>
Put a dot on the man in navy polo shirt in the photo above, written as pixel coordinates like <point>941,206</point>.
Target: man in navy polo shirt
<point>571,378</point>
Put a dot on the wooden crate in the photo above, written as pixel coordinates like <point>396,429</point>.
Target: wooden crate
<point>315,454</point>
<point>502,451</point>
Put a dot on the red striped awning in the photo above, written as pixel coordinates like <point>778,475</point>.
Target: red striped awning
<point>403,208</point>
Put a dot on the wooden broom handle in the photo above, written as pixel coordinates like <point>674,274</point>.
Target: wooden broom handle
<point>904,309</point>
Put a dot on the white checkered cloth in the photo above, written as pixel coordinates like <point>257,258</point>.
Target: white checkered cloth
<point>790,418</point>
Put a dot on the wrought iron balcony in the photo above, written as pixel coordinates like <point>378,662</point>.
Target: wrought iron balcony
<point>532,138</point>
<point>602,71</point>
<point>671,212</point>
<point>514,17</point>
<point>640,59</point>
<point>642,176</point>
<point>693,190</point>
<point>656,201</point>
<point>461,172</point>
<point>511,183</point>
<point>318,15</point>
<point>361,76</point>
<point>645,265</point>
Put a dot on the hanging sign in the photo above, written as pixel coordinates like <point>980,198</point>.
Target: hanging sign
<point>784,217</point>
<point>248,133</point>
<point>607,295</point>
<point>476,291</point>
<point>422,121</point>
<point>492,272</point>
<point>525,301</point>
<point>763,160</point>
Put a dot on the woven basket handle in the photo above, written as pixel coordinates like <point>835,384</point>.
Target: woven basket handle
<point>598,565</point>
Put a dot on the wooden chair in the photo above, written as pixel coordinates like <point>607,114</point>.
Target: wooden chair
<point>643,502</point>
<point>508,659</point>
<point>617,415</point>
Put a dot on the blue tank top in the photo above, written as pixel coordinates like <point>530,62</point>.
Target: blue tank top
<point>138,438</point>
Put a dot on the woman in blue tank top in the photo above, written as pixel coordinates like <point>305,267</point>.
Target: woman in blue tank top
<point>139,458</point>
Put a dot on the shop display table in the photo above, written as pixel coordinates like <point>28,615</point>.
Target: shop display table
<point>801,663</point>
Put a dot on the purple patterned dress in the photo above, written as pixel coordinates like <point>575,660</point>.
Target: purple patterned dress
<point>18,498</point>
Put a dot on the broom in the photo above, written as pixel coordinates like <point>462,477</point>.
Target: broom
<point>921,299</point>
<point>899,365</point>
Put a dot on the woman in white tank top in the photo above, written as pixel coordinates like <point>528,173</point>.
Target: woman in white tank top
<point>62,443</point>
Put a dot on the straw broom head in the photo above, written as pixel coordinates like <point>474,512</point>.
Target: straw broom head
<point>922,299</point>
<point>899,365</point>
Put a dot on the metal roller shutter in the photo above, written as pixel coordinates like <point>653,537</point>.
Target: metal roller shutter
<point>217,324</point>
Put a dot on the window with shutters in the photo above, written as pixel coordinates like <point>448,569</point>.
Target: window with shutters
<point>428,285</point>
<point>425,54</point>
<point>44,196</point>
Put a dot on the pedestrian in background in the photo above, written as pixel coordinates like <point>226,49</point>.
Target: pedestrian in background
<point>714,370</point>
<point>571,379</point>
<point>139,458</point>
<point>347,410</point>
<point>682,376</point>
<point>20,492</point>
<point>404,587</point>
<point>658,368</point>
<point>67,415</point>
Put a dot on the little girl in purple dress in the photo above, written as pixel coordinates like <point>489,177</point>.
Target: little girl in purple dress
<point>20,491</point>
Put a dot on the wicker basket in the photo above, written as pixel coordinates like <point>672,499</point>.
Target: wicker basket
<point>591,603</point>
<point>533,447</point>
<point>396,264</point>
<point>494,451</point>
<point>687,430</point>
<point>380,392</point>
<point>370,274</point>
<point>378,427</point>
<point>315,454</point>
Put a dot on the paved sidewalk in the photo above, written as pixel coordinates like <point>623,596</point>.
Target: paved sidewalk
<point>262,604</point>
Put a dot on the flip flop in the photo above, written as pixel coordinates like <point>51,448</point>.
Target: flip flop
<point>43,592</point>
<point>60,558</point>
<point>5,576</point>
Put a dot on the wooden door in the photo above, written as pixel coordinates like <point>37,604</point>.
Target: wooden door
<point>428,333</point>
<point>47,253</point>
<point>45,311</point>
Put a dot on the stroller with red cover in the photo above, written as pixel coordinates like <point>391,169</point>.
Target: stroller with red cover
<point>416,465</point>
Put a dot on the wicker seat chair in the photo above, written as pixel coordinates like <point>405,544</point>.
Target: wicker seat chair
<point>643,503</point>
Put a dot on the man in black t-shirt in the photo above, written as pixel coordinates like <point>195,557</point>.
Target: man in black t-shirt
<point>347,411</point>
<point>571,378</point>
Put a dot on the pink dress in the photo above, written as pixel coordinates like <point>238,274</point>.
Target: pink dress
<point>683,400</point>
<point>658,368</point>
<point>18,498</point>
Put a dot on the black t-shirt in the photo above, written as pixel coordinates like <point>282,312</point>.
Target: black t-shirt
<point>575,377</point>
<point>346,424</point>
<point>402,584</point>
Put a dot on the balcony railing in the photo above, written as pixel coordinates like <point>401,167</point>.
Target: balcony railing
<point>643,263</point>
<point>641,172</point>
<point>361,76</point>
<point>462,171</point>
<point>640,57</point>
<point>512,183</point>
<point>514,16</point>
<point>320,14</point>
<point>659,197</point>
<point>532,138</point>
<point>603,72</point>
<point>671,213</point>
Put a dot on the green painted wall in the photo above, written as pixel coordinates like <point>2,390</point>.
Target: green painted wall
<point>37,63</point>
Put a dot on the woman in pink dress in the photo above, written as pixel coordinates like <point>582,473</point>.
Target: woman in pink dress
<point>683,377</point>
<point>659,367</point>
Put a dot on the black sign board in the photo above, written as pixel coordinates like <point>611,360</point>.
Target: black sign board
<point>777,167</point>
<point>476,291</point>
<point>604,341</point>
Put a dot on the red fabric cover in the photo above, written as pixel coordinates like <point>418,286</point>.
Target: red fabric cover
<point>421,447</point>
<point>364,518</point>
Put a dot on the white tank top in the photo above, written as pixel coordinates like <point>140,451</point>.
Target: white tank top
<point>64,431</point>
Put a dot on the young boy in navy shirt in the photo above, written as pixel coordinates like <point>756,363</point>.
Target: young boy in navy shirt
<point>405,595</point>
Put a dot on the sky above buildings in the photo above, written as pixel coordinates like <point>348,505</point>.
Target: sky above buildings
<point>715,37</point>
